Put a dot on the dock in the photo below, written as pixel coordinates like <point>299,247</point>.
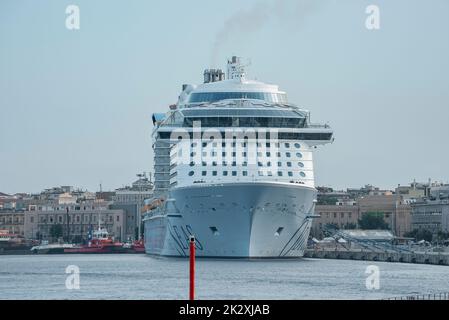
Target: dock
<point>435,258</point>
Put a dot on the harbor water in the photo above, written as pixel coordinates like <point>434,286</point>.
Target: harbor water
<point>136,276</point>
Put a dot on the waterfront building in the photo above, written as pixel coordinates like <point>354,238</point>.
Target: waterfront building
<point>342,216</point>
<point>130,199</point>
<point>396,211</point>
<point>432,213</point>
<point>76,221</point>
<point>345,214</point>
<point>12,222</point>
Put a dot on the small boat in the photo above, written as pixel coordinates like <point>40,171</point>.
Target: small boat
<point>56,248</point>
<point>101,242</point>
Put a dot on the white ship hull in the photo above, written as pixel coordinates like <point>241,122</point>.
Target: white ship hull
<point>238,220</point>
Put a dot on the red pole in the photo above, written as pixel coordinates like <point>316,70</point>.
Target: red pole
<point>192,268</point>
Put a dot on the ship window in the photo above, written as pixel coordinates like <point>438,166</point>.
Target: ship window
<point>223,144</point>
<point>234,173</point>
<point>268,144</point>
<point>288,154</point>
<point>269,164</point>
<point>191,173</point>
<point>204,173</point>
<point>259,154</point>
<point>224,163</point>
<point>214,163</point>
<point>260,173</point>
<point>233,154</point>
<point>279,164</point>
<point>270,174</point>
<point>192,164</point>
<point>204,144</point>
<point>290,174</point>
<point>204,163</point>
<point>204,154</point>
<point>300,164</point>
<point>299,154</point>
<point>244,154</point>
<point>193,144</point>
<point>225,173</point>
<point>278,154</point>
<point>234,164</point>
<point>297,145</point>
<point>287,145</point>
<point>223,154</point>
<point>245,163</point>
<point>302,174</point>
<point>260,164</point>
<point>280,173</point>
<point>192,154</point>
<point>268,154</point>
<point>213,154</point>
<point>277,144</point>
<point>245,173</point>
<point>214,173</point>
<point>289,164</point>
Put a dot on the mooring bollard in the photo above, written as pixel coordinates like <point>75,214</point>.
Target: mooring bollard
<point>192,268</point>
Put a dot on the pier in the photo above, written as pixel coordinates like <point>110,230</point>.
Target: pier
<point>436,258</point>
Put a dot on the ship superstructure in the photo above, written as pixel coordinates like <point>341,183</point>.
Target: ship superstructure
<point>233,166</point>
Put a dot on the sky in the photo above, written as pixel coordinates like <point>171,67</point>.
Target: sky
<point>76,105</point>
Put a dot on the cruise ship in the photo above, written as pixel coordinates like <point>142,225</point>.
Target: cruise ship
<point>233,167</point>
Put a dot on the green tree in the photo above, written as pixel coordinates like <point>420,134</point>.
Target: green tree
<point>420,234</point>
<point>56,231</point>
<point>373,221</point>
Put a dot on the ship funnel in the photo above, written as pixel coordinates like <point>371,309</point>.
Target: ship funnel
<point>213,75</point>
<point>236,70</point>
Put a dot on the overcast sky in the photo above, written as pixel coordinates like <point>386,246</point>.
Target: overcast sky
<point>76,105</point>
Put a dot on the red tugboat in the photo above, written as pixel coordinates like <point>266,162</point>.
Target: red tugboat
<point>101,243</point>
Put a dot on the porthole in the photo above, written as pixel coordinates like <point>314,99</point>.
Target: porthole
<point>191,173</point>
<point>301,165</point>
<point>302,174</point>
<point>192,164</point>
<point>299,154</point>
<point>297,145</point>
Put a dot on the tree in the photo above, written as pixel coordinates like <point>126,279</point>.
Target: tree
<point>56,231</point>
<point>419,234</point>
<point>350,226</point>
<point>373,221</point>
